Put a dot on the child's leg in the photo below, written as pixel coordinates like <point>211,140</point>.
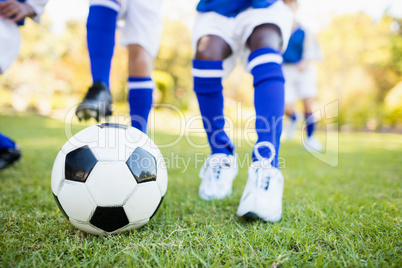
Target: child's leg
<point>101,27</point>
<point>207,72</point>
<point>140,100</point>
<point>265,64</point>
<point>308,116</point>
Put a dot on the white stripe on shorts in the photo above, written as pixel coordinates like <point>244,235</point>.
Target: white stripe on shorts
<point>265,58</point>
<point>141,85</point>
<point>207,73</point>
<point>106,3</point>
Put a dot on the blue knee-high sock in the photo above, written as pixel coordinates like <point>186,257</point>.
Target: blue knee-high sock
<point>140,100</point>
<point>101,27</point>
<point>265,65</point>
<point>6,142</point>
<point>208,88</point>
<point>310,124</point>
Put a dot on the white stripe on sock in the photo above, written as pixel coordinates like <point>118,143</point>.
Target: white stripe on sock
<point>265,58</point>
<point>142,84</point>
<point>106,3</point>
<point>207,73</point>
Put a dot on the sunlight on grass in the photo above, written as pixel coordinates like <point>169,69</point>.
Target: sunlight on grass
<point>347,215</point>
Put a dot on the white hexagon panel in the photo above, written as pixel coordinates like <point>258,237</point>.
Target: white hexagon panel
<point>131,226</point>
<point>144,202</point>
<point>76,201</point>
<point>58,172</point>
<point>86,137</point>
<point>86,227</point>
<point>110,183</point>
<point>112,143</point>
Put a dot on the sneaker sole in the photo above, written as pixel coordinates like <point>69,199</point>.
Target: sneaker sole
<point>88,113</point>
<point>254,216</point>
<point>210,198</point>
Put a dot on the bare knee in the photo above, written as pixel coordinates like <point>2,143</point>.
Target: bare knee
<point>265,35</point>
<point>212,47</point>
<point>140,62</point>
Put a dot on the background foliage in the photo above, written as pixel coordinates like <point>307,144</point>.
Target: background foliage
<point>362,69</point>
<point>348,216</point>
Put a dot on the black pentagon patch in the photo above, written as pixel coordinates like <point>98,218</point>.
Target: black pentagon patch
<point>59,205</point>
<point>109,219</point>
<point>79,163</point>
<point>143,165</point>
<point>112,125</point>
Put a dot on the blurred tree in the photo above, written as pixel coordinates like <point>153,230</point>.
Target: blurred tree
<point>47,65</point>
<point>393,105</point>
<point>387,71</point>
<point>363,62</point>
<point>360,66</point>
<point>174,58</point>
<point>166,85</point>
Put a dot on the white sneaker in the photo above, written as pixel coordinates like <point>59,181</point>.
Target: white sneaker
<point>262,196</point>
<point>217,174</point>
<point>312,144</point>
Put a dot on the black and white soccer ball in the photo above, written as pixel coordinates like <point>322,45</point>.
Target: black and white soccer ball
<point>108,179</point>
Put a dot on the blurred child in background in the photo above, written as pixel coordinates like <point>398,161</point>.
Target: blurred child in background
<point>301,79</point>
<point>12,14</point>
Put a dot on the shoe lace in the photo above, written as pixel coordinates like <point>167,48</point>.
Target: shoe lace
<point>263,179</point>
<point>216,172</point>
<point>261,166</point>
<point>212,169</point>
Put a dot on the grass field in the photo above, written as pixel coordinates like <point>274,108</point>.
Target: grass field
<point>349,215</point>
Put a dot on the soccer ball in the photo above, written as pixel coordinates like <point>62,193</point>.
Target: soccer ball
<point>109,178</point>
